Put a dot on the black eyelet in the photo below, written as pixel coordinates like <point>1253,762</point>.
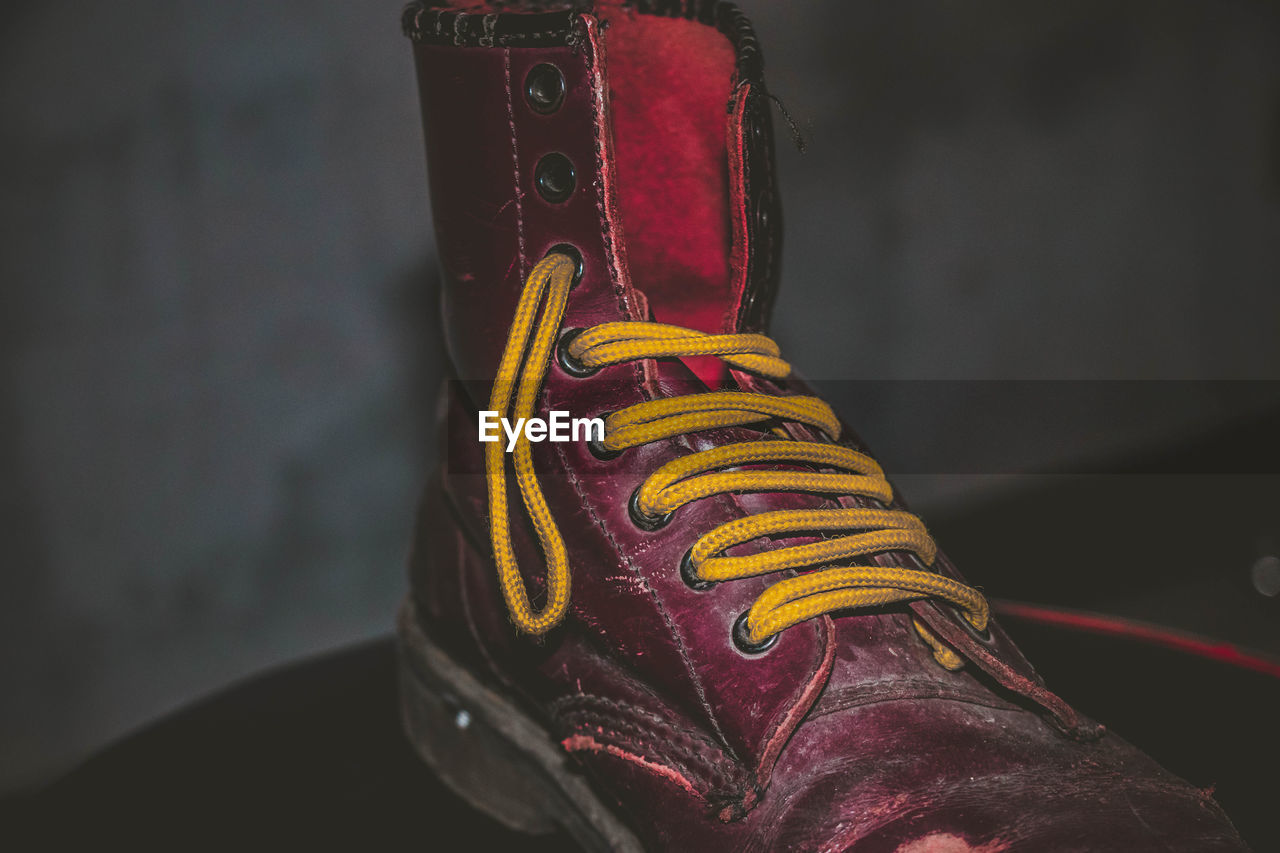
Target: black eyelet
<point>544,88</point>
<point>567,362</point>
<point>572,252</point>
<point>555,178</point>
<point>598,449</point>
<point>984,636</point>
<point>743,642</point>
<point>688,574</point>
<point>641,519</point>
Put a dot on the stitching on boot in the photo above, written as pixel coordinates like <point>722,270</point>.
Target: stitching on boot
<point>587,743</point>
<point>515,166</point>
<point>637,739</point>
<point>640,722</point>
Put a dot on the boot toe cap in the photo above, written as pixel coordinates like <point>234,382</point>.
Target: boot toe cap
<point>959,787</point>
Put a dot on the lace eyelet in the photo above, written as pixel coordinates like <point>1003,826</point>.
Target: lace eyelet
<point>572,252</point>
<point>642,519</point>
<point>567,362</point>
<point>689,575</point>
<point>555,178</point>
<point>544,88</point>
<point>984,636</point>
<point>598,449</point>
<point>743,641</point>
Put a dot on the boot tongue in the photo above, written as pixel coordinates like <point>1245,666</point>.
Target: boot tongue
<point>670,84</point>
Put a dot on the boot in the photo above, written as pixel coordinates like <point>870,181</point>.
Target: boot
<point>712,624</point>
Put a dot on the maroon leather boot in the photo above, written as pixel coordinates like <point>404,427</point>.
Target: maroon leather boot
<point>712,625</point>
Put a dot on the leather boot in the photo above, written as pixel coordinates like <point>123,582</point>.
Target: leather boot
<point>713,624</point>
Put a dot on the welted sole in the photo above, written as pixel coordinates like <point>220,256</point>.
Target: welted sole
<point>492,754</point>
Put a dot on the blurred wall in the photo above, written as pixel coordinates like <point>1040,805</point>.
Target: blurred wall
<point>215,223</point>
<point>216,354</point>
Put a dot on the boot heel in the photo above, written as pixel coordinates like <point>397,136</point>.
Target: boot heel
<point>456,725</point>
<point>491,753</point>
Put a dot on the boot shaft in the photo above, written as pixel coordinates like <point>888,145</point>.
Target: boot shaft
<point>640,136</point>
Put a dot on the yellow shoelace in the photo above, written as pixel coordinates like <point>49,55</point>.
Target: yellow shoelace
<point>702,474</point>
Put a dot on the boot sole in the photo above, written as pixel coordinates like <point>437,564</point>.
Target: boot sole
<point>492,754</point>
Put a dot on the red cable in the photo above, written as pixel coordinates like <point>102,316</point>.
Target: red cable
<point>1158,635</point>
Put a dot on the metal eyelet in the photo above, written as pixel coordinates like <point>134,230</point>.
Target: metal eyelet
<point>598,449</point>
<point>643,520</point>
<point>544,88</point>
<point>688,574</point>
<point>555,178</point>
<point>572,252</point>
<point>984,636</point>
<point>567,362</point>
<point>743,642</point>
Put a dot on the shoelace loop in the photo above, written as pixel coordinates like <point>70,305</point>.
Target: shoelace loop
<point>834,585</point>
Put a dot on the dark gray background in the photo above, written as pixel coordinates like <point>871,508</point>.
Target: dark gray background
<point>215,363</point>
